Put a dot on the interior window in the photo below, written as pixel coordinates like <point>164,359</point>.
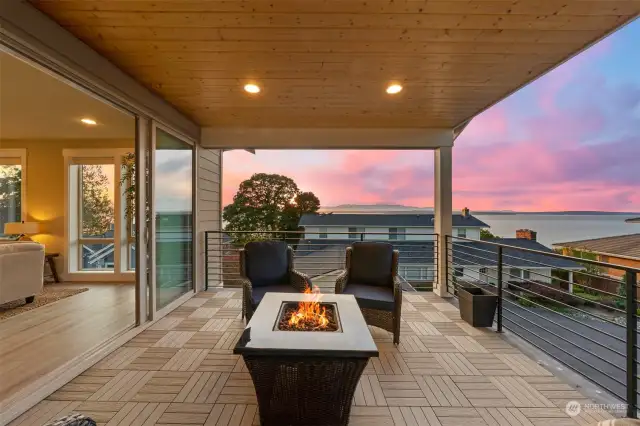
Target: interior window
<point>10,191</point>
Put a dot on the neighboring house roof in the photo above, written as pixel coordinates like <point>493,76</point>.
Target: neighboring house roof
<point>386,220</point>
<point>320,256</point>
<point>620,245</point>
<point>633,220</point>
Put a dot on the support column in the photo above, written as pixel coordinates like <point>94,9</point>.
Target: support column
<point>143,141</point>
<point>442,214</point>
<point>570,281</point>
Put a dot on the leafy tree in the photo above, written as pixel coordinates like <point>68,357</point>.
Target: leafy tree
<point>97,206</point>
<point>485,234</point>
<point>267,202</point>
<point>128,183</point>
<point>10,194</point>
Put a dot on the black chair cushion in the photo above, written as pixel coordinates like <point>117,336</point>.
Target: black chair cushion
<point>266,263</point>
<point>258,293</point>
<point>372,264</point>
<point>371,297</point>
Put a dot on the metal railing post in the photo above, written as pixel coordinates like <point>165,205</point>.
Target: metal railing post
<point>206,260</point>
<point>446,264</point>
<point>499,307</point>
<point>632,340</point>
<point>362,236</point>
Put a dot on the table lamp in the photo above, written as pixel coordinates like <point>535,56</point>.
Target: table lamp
<point>22,229</point>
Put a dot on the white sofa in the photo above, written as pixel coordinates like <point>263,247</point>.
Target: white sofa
<point>21,270</point>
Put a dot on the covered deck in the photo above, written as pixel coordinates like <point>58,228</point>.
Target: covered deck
<point>181,370</point>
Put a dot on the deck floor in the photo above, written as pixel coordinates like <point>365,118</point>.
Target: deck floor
<point>181,371</point>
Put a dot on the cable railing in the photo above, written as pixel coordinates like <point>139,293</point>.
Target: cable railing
<point>322,256</point>
<point>562,305</point>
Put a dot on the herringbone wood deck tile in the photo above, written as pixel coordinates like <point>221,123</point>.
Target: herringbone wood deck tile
<point>183,311</point>
<point>196,302</point>
<point>215,303</point>
<point>204,313</point>
<point>174,339</point>
<point>204,340</point>
<point>147,338</point>
<point>444,372</point>
<point>191,324</point>
<point>437,344</point>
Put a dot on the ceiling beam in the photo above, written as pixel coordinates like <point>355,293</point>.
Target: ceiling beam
<point>325,138</point>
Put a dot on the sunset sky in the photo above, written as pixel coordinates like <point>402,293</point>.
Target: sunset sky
<point>569,141</point>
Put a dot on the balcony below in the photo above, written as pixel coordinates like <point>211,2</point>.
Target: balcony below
<point>181,370</point>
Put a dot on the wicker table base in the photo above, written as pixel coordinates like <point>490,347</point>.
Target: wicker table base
<point>310,391</point>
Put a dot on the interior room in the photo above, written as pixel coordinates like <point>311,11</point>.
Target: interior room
<point>67,240</point>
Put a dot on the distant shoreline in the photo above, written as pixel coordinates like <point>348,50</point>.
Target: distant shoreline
<point>390,209</point>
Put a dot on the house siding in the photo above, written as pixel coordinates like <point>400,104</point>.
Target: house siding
<point>618,261</point>
<point>209,179</point>
<point>381,233</point>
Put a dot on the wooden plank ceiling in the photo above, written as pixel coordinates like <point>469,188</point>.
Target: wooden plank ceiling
<point>326,63</point>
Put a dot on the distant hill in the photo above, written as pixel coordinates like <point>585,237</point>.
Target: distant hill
<point>399,209</point>
<point>375,209</point>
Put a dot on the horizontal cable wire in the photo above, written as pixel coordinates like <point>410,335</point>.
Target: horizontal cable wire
<point>561,361</point>
<point>568,329</point>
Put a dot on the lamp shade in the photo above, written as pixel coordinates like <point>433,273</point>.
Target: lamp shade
<point>20,228</point>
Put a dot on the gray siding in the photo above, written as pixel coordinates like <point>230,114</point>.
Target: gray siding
<point>209,209</point>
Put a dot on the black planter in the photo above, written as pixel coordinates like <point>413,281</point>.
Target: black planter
<point>477,306</point>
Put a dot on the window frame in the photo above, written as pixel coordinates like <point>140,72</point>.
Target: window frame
<point>21,154</point>
<point>400,234</point>
<point>458,272</point>
<point>515,276</point>
<point>323,232</point>
<point>79,222</point>
<point>73,239</point>
<point>461,232</point>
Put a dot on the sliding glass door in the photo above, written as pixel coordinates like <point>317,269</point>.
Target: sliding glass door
<point>173,217</point>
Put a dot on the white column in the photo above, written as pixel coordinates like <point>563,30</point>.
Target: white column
<point>443,222</point>
<point>570,281</point>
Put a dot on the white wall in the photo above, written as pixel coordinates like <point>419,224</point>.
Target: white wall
<point>381,233</point>
<point>208,213</point>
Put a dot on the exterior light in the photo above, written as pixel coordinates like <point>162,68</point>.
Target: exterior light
<point>89,121</point>
<point>392,89</point>
<point>251,88</point>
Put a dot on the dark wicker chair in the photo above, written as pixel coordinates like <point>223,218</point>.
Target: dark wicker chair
<point>371,275</point>
<point>267,266</point>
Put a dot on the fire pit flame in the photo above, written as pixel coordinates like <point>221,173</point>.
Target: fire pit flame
<point>310,314</point>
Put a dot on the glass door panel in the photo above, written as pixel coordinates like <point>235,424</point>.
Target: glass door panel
<point>173,206</point>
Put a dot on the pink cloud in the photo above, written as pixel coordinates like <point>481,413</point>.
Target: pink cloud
<point>569,141</point>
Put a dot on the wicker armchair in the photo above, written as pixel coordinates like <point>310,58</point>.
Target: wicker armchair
<point>371,275</point>
<point>267,266</point>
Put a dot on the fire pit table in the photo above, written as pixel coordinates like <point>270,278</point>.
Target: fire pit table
<point>306,377</point>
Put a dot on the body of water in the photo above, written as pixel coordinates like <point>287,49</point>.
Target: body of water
<point>557,228</point>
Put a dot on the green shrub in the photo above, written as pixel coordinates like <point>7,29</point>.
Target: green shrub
<point>526,302</point>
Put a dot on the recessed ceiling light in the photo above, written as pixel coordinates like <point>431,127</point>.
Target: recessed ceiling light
<point>251,88</point>
<point>392,89</point>
<point>89,121</point>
